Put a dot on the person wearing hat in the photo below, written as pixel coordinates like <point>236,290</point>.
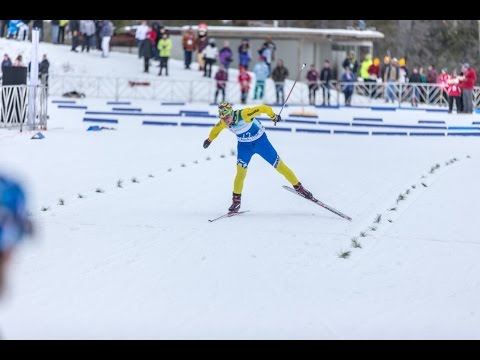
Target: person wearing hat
<point>252,139</point>
<point>210,55</point>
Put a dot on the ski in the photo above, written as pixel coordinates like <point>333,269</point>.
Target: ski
<point>318,202</point>
<point>229,214</point>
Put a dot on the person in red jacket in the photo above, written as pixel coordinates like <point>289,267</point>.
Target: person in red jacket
<point>244,79</point>
<point>221,78</point>
<point>442,80</point>
<point>454,94</point>
<point>467,84</point>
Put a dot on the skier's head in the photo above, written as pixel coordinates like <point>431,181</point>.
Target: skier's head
<point>224,109</point>
<point>225,112</point>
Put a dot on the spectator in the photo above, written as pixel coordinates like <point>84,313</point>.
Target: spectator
<point>266,52</point>
<point>366,63</point>
<point>210,54</point>
<point>373,77</point>
<point>18,61</point>
<point>6,62</point>
<point>468,82</point>
<point>279,74</point>
<point>165,49</point>
<point>38,24</point>
<point>55,26</point>
<point>443,83</point>
<point>61,31</point>
<point>146,51</point>
<point>414,80</point>
<point>351,62</point>
<point>454,94</point>
<point>374,70</point>
<point>347,85</point>
<point>244,79</point>
<point>270,44</point>
<point>17,30</point>
<point>326,76</point>
<point>3,28</point>
<point>141,35</point>
<point>244,54</point>
<point>43,70</point>
<point>226,55</point>
<point>106,33</point>
<point>14,222</point>
<point>312,80</point>
<point>159,30</point>
<point>201,44</point>
<point>87,28</point>
<point>74,26</point>
<point>402,63</point>
<point>221,79</point>
<point>457,76</point>
<point>391,76</point>
<point>261,74</point>
<point>188,43</point>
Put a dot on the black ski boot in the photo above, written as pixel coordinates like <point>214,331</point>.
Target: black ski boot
<point>302,191</point>
<point>236,202</point>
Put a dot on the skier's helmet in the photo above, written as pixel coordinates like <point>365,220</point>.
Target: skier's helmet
<point>224,109</point>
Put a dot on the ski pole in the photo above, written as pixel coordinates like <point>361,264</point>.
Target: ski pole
<point>303,66</point>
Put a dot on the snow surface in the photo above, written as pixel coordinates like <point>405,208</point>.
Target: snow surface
<point>143,262</point>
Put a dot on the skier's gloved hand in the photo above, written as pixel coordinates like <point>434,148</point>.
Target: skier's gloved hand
<point>276,119</point>
<point>206,143</point>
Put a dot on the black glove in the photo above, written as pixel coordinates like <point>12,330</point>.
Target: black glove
<point>206,143</point>
<point>277,118</point>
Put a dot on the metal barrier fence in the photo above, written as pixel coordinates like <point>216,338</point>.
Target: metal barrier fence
<point>14,106</point>
<point>203,90</point>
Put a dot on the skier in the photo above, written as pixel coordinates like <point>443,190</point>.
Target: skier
<point>252,139</point>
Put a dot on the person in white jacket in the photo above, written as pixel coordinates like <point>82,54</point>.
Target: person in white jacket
<point>210,54</point>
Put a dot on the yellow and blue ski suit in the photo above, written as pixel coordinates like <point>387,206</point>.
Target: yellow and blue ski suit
<point>252,139</point>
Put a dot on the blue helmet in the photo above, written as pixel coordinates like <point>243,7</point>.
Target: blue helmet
<point>14,224</point>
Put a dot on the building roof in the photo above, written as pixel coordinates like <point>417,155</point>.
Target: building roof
<point>289,32</point>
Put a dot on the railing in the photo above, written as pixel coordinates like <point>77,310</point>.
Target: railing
<point>203,90</point>
<point>14,106</point>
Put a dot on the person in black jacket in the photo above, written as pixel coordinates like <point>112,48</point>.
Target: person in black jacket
<point>279,74</point>
<point>6,62</point>
<point>43,70</point>
<point>146,51</point>
<point>74,26</point>
<point>351,62</point>
<point>38,24</point>
<point>325,76</point>
<point>3,28</point>
<point>415,81</point>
